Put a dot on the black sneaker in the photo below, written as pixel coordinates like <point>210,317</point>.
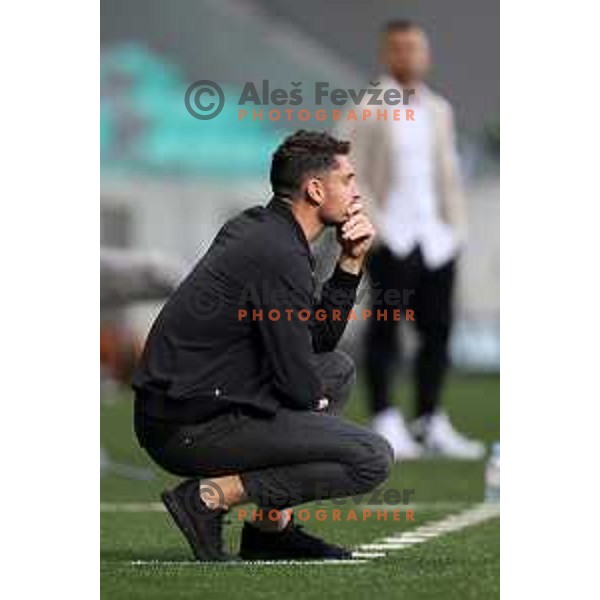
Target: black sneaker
<point>201,526</point>
<point>291,543</point>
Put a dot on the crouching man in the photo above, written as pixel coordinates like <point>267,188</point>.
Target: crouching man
<point>245,410</point>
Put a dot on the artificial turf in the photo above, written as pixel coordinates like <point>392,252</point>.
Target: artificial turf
<point>464,564</point>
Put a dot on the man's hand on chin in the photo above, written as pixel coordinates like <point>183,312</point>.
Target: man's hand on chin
<point>355,236</point>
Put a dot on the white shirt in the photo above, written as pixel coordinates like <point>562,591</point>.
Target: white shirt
<point>410,216</point>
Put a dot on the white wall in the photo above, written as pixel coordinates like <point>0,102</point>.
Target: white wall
<point>180,219</point>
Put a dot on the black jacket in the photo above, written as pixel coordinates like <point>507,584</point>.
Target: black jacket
<point>202,353</point>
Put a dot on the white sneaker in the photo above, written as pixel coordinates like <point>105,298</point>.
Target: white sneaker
<point>390,424</point>
<point>440,438</point>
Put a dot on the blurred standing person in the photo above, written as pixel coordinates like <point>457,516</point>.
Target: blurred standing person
<point>410,174</point>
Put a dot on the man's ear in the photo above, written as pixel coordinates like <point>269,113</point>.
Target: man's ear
<point>314,191</point>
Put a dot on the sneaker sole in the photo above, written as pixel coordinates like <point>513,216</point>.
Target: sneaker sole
<point>185,525</point>
<point>256,553</point>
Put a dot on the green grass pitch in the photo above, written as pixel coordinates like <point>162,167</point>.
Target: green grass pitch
<point>462,565</point>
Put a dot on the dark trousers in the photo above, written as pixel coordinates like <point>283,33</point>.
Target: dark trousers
<point>286,459</point>
<point>428,292</point>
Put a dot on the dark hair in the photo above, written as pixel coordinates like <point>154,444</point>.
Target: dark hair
<point>400,26</point>
<point>303,154</point>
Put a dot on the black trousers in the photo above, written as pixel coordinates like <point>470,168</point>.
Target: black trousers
<point>284,460</point>
<point>429,294</point>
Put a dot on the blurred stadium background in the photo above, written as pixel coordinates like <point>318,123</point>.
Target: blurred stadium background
<point>168,181</point>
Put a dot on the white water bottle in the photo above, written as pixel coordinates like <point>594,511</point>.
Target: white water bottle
<point>492,475</point>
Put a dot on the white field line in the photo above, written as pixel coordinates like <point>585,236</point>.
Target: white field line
<point>132,507</point>
<point>472,516</point>
<point>149,507</point>
<point>378,549</point>
<point>159,564</point>
<point>416,505</point>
